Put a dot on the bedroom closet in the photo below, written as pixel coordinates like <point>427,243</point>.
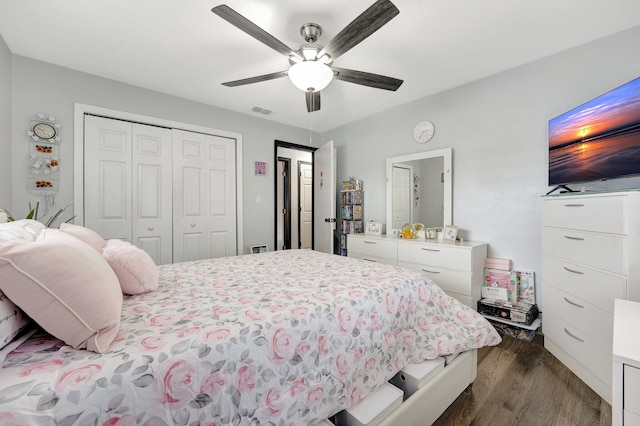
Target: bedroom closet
<point>171,192</point>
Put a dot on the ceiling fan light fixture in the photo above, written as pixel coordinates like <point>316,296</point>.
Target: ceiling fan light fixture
<point>310,76</point>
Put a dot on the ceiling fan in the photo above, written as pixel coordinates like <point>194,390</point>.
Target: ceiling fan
<point>311,66</point>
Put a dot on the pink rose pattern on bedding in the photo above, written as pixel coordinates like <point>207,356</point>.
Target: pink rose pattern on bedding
<point>288,338</point>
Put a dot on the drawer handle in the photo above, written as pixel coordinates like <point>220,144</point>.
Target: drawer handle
<point>574,205</point>
<point>370,242</point>
<point>431,272</point>
<point>568,237</point>
<point>575,337</point>
<point>573,303</point>
<point>371,260</point>
<point>428,249</point>
<point>575,272</point>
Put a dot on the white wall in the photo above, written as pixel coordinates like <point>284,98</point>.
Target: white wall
<point>5,126</point>
<point>497,128</point>
<point>41,87</point>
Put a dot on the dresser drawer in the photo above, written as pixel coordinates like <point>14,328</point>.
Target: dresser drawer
<point>435,254</point>
<point>378,247</point>
<point>632,389</point>
<point>447,279</point>
<point>596,287</point>
<point>578,313</point>
<point>593,356</point>
<point>602,251</point>
<point>376,259</point>
<point>598,214</point>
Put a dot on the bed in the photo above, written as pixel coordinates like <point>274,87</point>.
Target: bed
<point>283,338</point>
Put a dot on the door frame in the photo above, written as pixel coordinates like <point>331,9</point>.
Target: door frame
<point>79,110</point>
<point>282,144</point>
<point>286,204</point>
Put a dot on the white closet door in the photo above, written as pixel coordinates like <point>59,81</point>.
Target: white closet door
<point>204,196</point>
<point>107,177</point>
<point>152,191</point>
<point>127,188</point>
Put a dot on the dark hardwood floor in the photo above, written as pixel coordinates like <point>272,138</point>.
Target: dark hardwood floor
<point>521,383</point>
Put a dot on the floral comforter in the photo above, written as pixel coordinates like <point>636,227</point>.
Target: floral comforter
<point>283,338</point>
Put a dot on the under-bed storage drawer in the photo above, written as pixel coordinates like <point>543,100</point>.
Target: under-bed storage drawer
<point>373,408</point>
<point>414,376</point>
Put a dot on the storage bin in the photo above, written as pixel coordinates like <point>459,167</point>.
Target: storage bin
<point>373,408</point>
<point>414,376</point>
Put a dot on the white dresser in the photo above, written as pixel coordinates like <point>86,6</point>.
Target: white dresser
<point>457,268</point>
<point>626,364</point>
<point>590,256</point>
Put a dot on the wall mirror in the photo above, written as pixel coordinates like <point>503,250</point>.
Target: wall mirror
<point>419,189</point>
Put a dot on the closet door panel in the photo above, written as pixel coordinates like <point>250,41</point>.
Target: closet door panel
<point>152,183</point>
<point>107,177</point>
<point>204,196</point>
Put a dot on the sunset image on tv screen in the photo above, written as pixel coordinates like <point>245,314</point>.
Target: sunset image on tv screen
<point>598,140</point>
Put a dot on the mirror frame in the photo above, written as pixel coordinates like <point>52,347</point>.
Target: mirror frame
<point>446,154</point>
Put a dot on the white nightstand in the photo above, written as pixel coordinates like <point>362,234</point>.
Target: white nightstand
<point>626,363</point>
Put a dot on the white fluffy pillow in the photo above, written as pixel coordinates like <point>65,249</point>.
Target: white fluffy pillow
<point>133,266</point>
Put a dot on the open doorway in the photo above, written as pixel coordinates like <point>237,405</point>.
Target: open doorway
<point>294,196</point>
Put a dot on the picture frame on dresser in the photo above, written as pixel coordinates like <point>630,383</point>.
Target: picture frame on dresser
<point>450,233</point>
<point>373,228</point>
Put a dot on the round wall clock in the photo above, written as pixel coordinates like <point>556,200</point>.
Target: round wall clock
<point>44,131</point>
<point>423,132</point>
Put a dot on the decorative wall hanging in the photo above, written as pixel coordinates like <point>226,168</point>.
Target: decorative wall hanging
<point>43,136</point>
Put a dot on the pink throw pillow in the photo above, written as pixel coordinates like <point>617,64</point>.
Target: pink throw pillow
<point>68,290</point>
<point>86,235</point>
<point>135,269</point>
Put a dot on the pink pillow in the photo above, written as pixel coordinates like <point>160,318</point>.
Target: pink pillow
<point>86,235</point>
<point>69,290</point>
<point>134,267</point>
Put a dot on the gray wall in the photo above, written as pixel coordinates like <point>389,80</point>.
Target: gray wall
<point>497,128</point>
<point>5,125</point>
<point>41,87</point>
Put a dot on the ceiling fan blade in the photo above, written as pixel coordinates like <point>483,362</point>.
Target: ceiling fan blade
<point>256,79</point>
<point>234,18</point>
<point>313,101</point>
<point>369,21</point>
<point>367,79</point>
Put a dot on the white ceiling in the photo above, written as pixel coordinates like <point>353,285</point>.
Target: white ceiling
<point>181,48</point>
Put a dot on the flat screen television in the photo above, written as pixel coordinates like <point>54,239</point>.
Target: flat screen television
<point>598,140</point>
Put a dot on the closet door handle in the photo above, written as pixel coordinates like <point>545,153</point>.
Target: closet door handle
<point>574,205</point>
<point>150,228</point>
<point>573,271</point>
<point>193,225</point>
<point>573,303</point>
<point>428,249</point>
<point>370,242</point>
<point>569,237</point>
<point>572,335</point>
<point>431,272</point>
